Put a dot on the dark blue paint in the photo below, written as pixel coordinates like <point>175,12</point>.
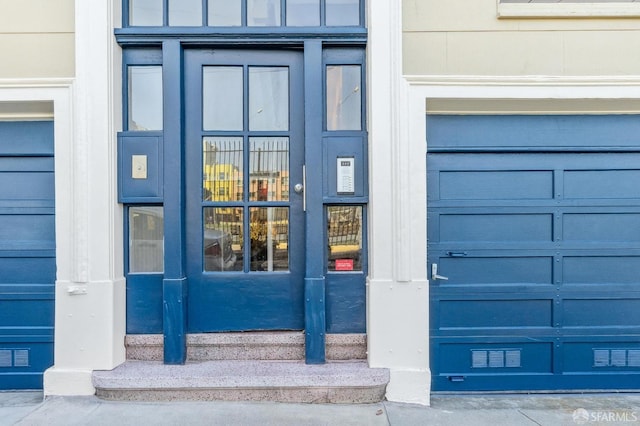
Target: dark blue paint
<point>149,190</point>
<point>346,302</point>
<point>175,282</point>
<point>232,301</point>
<point>315,303</point>
<point>543,132</point>
<point>144,304</point>
<point>549,257</point>
<point>27,250</point>
<point>174,293</point>
<point>30,138</point>
<point>315,320</point>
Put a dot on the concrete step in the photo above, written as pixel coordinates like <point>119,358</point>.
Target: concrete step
<point>244,380</point>
<point>247,346</point>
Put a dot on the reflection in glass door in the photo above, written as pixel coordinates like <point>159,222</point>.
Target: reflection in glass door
<point>245,149</point>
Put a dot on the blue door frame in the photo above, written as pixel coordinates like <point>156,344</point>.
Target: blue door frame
<point>332,302</point>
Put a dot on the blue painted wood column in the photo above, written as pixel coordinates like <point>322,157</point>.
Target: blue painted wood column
<point>174,286</point>
<point>314,283</point>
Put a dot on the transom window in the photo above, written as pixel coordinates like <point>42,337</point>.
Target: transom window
<point>244,13</point>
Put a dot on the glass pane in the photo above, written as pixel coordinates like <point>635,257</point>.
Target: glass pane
<point>146,239</point>
<point>145,13</point>
<point>303,13</point>
<point>145,98</point>
<point>222,169</point>
<point>225,13</point>
<point>269,238</point>
<point>268,98</point>
<point>263,13</point>
<point>269,169</point>
<point>345,238</point>
<point>223,241</point>
<point>344,99</point>
<point>343,13</point>
<point>222,98</point>
<point>185,13</point>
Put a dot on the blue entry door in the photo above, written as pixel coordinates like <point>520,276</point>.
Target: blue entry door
<point>244,146</point>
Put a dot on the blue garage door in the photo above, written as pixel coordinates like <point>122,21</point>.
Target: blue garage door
<point>534,252</point>
<point>27,253</point>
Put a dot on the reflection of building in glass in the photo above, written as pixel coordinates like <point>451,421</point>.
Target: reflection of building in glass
<point>344,231</point>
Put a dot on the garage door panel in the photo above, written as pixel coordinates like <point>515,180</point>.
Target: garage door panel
<point>26,138</point>
<point>507,358</point>
<point>25,312</point>
<point>496,227</point>
<point>496,270</point>
<point>601,227</point>
<point>504,185</point>
<point>27,270</point>
<point>27,227</point>
<point>601,356</point>
<point>29,186</point>
<point>601,270</point>
<point>601,184</point>
<point>601,312</point>
<point>495,313</point>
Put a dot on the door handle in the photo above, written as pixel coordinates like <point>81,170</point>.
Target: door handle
<point>434,273</point>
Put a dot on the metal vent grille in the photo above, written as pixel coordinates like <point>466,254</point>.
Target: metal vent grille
<point>6,358</point>
<point>14,358</point>
<point>502,358</point>
<point>21,358</point>
<point>616,358</point>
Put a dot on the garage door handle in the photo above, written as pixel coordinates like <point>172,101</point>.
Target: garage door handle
<point>434,273</point>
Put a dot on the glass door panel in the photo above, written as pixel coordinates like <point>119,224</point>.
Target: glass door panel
<point>245,148</point>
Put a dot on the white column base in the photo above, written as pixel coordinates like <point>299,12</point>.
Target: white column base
<point>89,334</point>
<point>409,386</point>
<point>68,382</point>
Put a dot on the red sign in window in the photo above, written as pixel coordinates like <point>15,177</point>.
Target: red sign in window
<point>344,264</point>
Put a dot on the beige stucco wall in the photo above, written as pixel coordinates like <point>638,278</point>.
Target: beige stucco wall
<point>466,37</point>
<point>36,38</point>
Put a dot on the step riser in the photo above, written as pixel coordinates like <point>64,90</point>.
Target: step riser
<point>301,395</point>
<point>248,346</point>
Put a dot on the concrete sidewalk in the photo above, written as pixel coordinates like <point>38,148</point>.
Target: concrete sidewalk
<point>27,408</point>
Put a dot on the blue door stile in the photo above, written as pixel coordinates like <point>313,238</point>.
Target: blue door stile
<point>314,283</point>
<point>175,286</point>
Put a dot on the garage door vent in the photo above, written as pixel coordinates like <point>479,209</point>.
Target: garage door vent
<point>503,358</point>
<point>6,358</point>
<point>14,358</point>
<point>616,358</point>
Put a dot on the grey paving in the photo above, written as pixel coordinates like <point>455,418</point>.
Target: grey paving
<point>493,410</point>
<point>16,405</point>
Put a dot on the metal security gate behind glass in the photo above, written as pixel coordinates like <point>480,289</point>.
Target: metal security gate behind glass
<point>244,149</point>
